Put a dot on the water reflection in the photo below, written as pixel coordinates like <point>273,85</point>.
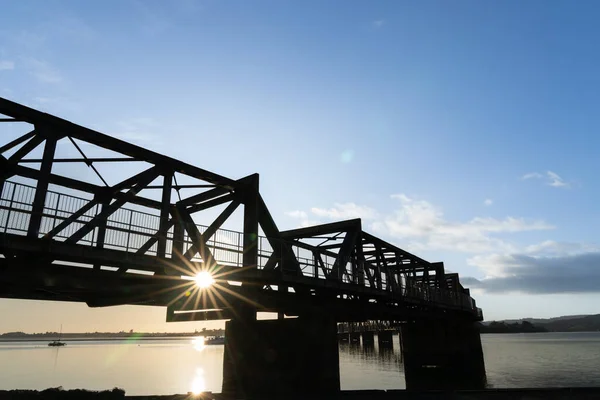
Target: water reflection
<point>198,384</point>
<point>198,343</point>
<point>171,366</point>
<point>370,366</point>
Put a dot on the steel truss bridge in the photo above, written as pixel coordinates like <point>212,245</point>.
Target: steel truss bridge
<point>138,240</point>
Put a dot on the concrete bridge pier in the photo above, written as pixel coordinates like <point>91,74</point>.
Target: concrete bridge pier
<point>343,337</point>
<point>355,337</point>
<point>368,338</point>
<point>442,355</point>
<point>384,339</point>
<point>280,357</point>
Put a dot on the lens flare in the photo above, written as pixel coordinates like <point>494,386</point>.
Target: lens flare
<point>204,279</point>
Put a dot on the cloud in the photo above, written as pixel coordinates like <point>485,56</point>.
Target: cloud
<point>296,214</point>
<point>532,175</point>
<point>538,274</point>
<point>378,23</point>
<point>6,65</point>
<point>422,226</point>
<point>551,178</point>
<point>42,70</point>
<point>345,211</point>
<point>425,226</point>
<point>552,248</point>
<point>488,202</point>
<point>556,180</point>
<point>56,104</point>
<point>137,130</point>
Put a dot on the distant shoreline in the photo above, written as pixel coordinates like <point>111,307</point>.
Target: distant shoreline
<point>96,338</point>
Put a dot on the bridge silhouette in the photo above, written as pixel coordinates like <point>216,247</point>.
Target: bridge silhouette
<point>142,239</point>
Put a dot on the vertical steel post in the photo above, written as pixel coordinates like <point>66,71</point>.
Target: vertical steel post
<point>250,257</point>
<point>102,229</point>
<point>161,248</point>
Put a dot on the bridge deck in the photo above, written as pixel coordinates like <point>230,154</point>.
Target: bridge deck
<point>128,230</point>
<point>63,238</point>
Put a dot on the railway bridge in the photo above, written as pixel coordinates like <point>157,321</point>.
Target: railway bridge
<point>152,232</point>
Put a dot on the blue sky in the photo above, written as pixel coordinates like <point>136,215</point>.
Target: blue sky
<point>463,131</point>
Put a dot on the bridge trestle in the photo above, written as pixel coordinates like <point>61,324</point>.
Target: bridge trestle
<point>91,218</point>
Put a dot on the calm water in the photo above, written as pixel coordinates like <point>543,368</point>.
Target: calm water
<point>182,365</point>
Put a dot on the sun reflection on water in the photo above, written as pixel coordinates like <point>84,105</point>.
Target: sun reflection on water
<point>198,343</point>
<point>198,384</point>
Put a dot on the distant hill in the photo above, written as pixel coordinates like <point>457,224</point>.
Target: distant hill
<point>516,327</point>
<point>567,323</point>
<point>587,323</point>
<point>544,320</point>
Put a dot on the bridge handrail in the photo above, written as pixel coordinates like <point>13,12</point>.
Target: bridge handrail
<point>128,229</point>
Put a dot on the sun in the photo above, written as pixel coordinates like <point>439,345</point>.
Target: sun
<point>204,279</point>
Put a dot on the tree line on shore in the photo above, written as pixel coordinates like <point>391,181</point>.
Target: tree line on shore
<point>576,323</point>
<point>110,335</point>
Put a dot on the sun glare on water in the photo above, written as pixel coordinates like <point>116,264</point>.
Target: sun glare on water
<point>204,279</point>
<point>198,343</point>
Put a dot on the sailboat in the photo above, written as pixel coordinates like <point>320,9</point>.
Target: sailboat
<point>57,343</point>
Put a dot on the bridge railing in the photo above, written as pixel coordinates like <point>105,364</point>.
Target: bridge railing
<point>130,230</point>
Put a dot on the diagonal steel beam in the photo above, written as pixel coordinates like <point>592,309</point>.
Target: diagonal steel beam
<point>271,263</point>
<point>143,180</point>
<point>201,197</point>
<point>348,244</point>
<point>34,142</point>
<point>198,241</point>
<point>159,233</point>
<point>36,117</point>
<point>130,182</point>
<point>39,200</point>
<point>210,203</point>
<point>288,258</point>
<point>321,264</point>
<point>73,217</point>
<point>189,254</point>
<point>333,227</point>
<point>17,141</point>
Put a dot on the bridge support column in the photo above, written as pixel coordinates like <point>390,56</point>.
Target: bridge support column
<point>343,337</point>
<point>280,357</point>
<point>442,355</point>
<point>384,339</point>
<point>368,338</point>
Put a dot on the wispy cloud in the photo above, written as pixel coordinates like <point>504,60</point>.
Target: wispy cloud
<point>545,267</point>
<point>556,180</point>
<point>56,104</point>
<point>532,175</point>
<point>345,211</point>
<point>551,179</point>
<point>297,214</point>
<point>420,225</point>
<point>426,227</point>
<point>6,65</point>
<point>488,202</point>
<point>139,130</point>
<point>42,70</point>
<point>378,23</point>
